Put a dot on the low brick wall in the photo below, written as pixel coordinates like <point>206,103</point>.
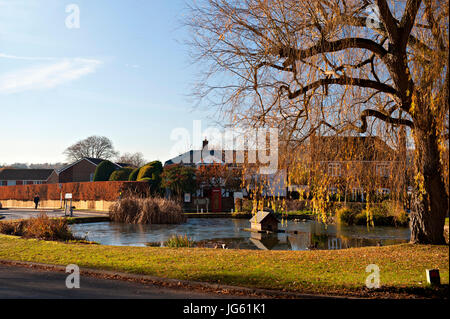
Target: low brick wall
<point>98,205</point>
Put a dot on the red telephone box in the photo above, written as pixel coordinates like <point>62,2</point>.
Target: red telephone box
<point>216,200</point>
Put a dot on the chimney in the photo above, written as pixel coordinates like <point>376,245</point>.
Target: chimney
<point>205,144</point>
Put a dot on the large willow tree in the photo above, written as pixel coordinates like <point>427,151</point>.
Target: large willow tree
<point>339,65</point>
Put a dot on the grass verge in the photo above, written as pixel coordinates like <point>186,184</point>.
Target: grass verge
<point>402,267</point>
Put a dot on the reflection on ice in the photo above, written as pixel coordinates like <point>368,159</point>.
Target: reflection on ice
<point>228,233</point>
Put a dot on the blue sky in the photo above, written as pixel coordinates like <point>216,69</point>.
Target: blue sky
<point>124,74</point>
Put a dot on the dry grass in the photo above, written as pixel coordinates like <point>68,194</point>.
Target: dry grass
<point>179,241</point>
<point>147,211</point>
<point>40,227</point>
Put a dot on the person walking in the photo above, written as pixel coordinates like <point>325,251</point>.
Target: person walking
<point>36,201</point>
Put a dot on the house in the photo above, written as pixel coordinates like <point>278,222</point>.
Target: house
<point>12,176</point>
<point>356,165</point>
<point>264,221</point>
<point>352,168</point>
<point>216,196</point>
<point>222,192</point>
<point>204,156</point>
<point>82,170</point>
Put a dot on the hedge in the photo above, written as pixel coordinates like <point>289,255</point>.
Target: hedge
<point>151,170</point>
<point>104,171</point>
<point>108,191</point>
<point>134,174</point>
<point>151,173</point>
<point>121,174</point>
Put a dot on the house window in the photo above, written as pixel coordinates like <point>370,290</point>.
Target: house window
<point>91,177</point>
<point>334,169</point>
<point>333,191</point>
<point>4,183</point>
<point>384,191</point>
<point>382,170</point>
<point>357,194</point>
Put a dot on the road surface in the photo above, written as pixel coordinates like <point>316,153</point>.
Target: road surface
<point>23,213</point>
<point>20,282</point>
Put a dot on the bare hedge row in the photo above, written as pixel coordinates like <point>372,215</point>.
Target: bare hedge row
<point>108,191</point>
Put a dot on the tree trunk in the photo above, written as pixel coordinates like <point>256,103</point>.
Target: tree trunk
<point>430,199</point>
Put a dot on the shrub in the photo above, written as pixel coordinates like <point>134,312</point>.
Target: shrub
<point>134,174</point>
<point>104,171</point>
<point>380,216</point>
<point>11,228</point>
<point>247,205</point>
<point>151,173</point>
<point>147,211</point>
<point>122,174</point>
<point>346,215</point>
<point>179,179</point>
<point>176,241</point>
<point>40,227</point>
<point>395,209</point>
<point>150,170</point>
<point>384,214</point>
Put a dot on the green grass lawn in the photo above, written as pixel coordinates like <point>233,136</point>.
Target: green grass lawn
<point>330,272</point>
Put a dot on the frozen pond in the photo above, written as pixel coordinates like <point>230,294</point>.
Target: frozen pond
<point>210,232</point>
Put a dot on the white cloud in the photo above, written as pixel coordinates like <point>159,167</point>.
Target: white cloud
<point>45,76</point>
<point>15,57</point>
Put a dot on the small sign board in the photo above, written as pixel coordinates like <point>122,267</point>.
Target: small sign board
<point>68,196</point>
<point>187,197</point>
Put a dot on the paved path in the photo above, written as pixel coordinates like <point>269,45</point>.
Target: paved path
<point>23,213</point>
<point>19,282</point>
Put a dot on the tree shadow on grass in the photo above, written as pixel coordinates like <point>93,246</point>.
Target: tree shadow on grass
<point>264,281</point>
<point>436,292</point>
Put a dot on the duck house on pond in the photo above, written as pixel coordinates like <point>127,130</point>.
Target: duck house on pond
<point>264,221</point>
